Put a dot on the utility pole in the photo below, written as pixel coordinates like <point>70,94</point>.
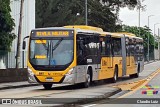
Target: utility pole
<point>159,43</point>
<point>148,36</point>
<point>86,13</point>
<point>19,35</point>
<point>139,17</point>
<point>155,38</point>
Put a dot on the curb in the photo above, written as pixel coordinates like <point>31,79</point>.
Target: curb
<point>90,100</point>
<point>146,62</point>
<point>18,86</point>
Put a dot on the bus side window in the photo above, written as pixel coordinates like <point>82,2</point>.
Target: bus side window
<point>102,45</point>
<point>127,47</point>
<point>108,45</point>
<point>79,50</point>
<point>131,47</point>
<point>117,47</point>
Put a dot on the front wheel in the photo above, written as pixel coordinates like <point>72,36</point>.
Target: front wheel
<point>114,79</point>
<point>88,80</point>
<point>47,86</point>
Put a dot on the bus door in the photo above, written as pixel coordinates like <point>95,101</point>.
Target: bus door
<point>109,51</point>
<point>123,44</point>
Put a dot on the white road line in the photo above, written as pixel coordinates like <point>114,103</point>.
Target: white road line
<point>90,105</point>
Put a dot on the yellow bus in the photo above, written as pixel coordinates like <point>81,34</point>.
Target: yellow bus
<point>81,54</point>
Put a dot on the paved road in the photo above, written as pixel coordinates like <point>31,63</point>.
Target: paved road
<point>154,83</point>
<point>97,91</point>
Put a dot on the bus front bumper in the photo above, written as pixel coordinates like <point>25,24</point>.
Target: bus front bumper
<point>67,79</point>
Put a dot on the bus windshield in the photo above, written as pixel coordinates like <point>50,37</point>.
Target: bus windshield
<point>51,52</point>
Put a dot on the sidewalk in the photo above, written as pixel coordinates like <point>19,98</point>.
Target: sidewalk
<point>12,85</point>
<point>151,61</point>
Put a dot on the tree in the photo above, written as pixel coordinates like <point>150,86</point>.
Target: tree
<point>58,12</point>
<point>64,12</point>
<point>6,26</point>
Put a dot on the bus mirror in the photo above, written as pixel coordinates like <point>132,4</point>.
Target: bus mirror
<point>24,42</point>
<point>24,45</point>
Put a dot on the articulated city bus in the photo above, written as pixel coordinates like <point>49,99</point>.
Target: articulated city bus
<point>82,54</point>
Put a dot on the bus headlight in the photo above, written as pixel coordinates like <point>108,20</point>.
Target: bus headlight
<point>70,71</point>
<point>30,72</point>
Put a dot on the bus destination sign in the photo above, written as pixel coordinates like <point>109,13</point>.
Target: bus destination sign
<point>52,33</point>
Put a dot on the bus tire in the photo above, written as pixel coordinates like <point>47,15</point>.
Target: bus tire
<point>115,76</point>
<point>47,86</point>
<point>88,79</point>
<point>136,75</point>
<point>138,70</point>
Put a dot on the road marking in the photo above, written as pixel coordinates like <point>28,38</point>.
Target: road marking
<point>141,83</point>
<point>90,105</point>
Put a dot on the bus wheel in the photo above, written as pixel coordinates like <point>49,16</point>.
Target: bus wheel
<point>47,86</point>
<point>138,71</point>
<point>136,75</point>
<point>88,80</point>
<point>114,79</point>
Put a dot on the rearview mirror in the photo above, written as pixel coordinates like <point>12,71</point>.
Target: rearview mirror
<point>24,45</point>
<point>24,42</point>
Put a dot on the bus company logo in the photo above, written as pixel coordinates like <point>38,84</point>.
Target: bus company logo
<point>6,101</point>
<point>150,90</point>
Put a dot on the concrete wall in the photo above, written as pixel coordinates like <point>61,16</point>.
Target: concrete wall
<point>28,23</point>
<point>157,54</point>
<point>13,75</point>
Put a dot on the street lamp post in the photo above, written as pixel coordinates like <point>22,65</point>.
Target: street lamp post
<point>154,37</point>
<point>159,43</point>
<point>139,18</point>
<point>148,35</point>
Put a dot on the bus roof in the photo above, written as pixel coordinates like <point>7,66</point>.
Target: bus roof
<point>120,34</point>
<point>91,29</point>
<point>85,27</point>
<point>51,28</point>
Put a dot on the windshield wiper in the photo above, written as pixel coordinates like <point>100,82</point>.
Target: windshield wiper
<point>44,44</point>
<point>57,44</point>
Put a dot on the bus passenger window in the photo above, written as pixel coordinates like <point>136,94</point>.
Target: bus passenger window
<point>117,51</point>
<point>80,51</point>
<point>103,45</point>
<point>131,47</point>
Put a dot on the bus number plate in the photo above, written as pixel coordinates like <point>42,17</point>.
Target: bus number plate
<point>49,79</point>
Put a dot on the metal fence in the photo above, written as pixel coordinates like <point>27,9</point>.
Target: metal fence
<point>151,56</point>
<point>8,60</point>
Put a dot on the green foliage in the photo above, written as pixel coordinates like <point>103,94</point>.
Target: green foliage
<point>6,26</point>
<point>51,13</point>
<point>101,16</point>
<point>58,12</point>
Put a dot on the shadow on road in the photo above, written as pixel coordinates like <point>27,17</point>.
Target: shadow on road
<point>95,83</point>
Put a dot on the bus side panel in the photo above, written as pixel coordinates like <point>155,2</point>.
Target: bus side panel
<point>106,71</point>
<point>118,61</point>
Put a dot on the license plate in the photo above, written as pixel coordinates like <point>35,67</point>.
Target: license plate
<point>49,79</point>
